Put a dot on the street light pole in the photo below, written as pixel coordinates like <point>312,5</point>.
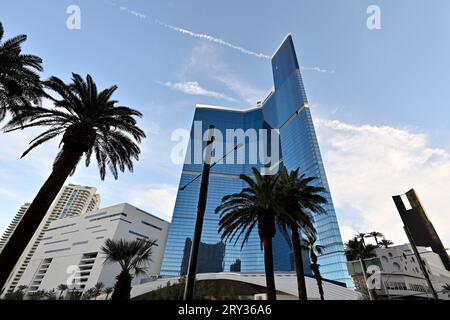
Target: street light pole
<point>201,206</point>
<point>421,264</point>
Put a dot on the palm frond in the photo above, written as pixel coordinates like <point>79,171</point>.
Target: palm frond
<point>20,85</point>
<point>133,256</point>
<point>88,121</point>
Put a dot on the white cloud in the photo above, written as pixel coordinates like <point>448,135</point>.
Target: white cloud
<point>11,194</point>
<point>204,59</point>
<point>366,165</point>
<point>194,88</point>
<point>158,200</point>
<point>236,84</point>
<point>316,69</point>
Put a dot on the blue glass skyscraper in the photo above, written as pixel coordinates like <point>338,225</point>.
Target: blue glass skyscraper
<point>285,109</point>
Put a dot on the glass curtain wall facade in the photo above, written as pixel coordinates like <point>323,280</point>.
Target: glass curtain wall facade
<point>285,109</point>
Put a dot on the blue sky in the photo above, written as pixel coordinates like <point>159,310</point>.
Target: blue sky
<point>379,97</point>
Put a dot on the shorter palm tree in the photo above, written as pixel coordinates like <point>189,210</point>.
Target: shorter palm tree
<point>386,243</point>
<point>88,294</point>
<point>375,235</point>
<point>22,287</point>
<point>355,249</point>
<point>314,250</point>
<point>62,288</point>
<point>50,295</point>
<point>108,291</point>
<point>98,288</point>
<point>133,257</point>
<point>361,236</point>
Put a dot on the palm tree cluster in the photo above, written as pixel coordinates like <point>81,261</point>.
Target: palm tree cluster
<point>88,121</point>
<point>92,293</point>
<point>19,294</point>
<point>285,202</point>
<point>357,248</point>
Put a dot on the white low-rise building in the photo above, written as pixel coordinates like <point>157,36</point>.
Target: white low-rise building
<point>70,251</point>
<point>400,275</point>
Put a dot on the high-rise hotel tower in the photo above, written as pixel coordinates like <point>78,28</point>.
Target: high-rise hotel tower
<point>285,109</point>
<point>72,200</point>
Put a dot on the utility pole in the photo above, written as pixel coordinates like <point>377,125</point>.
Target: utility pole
<point>201,206</point>
<point>420,261</point>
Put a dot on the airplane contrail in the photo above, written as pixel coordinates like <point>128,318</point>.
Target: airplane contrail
<point>208,37</point>
<point>212,39</point>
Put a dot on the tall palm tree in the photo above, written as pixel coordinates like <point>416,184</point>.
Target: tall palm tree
<point>62,288</point>
<point>314,250</point>
<point>98,287</point>
<point>375,235</point>
<point>133,258</point>
<point>298,199</point>
<point>386,243</point>
<point>19,83</point>
<point>254,206</point>
<point>108,291</point>
<point>90,123</point>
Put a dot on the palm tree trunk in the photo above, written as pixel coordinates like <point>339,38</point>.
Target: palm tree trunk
<point>319,282</point>
<point>268,264</point>
<point>122,288</point>
<point>297,250</point>
<point>36,212</point>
